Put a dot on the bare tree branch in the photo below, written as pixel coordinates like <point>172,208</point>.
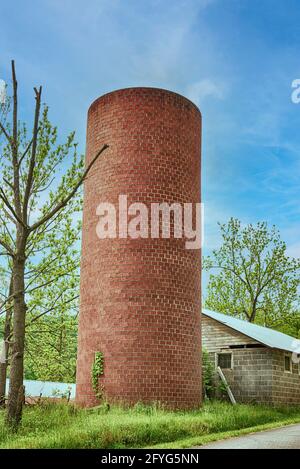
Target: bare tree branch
<point>38,94</point>
<point>7,248</point>
<point>51,309</point>
<point>15,146</point>
<point>64,202</point>
<point>3,130</point>
<point>8,183</point>
<point>6,229</point>
<point>25,152</point>
<point>10,207</point>
<point>230,270</point>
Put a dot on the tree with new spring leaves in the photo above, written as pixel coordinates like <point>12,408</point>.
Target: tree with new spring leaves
<point>52,289</point>
<point>253,277</point>
<point>30,161</point>
<point>52,306</point>
<point>51,346</point>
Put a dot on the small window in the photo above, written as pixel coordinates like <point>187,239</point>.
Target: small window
<point>224,360</point>
<point>287,364</point>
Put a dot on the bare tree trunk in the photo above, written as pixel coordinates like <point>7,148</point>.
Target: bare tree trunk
<point>4,366</point>
<point>6,337</point>
<point>254,311</point>
<point>3,373</point>
<point>16,389</point>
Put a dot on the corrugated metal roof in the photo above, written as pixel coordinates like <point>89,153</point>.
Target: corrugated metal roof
<point>46,388</point>
<point>264,335</point>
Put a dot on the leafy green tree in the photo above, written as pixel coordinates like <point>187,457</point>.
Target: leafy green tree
<point>52,284</point>
<point>31,199</point>
<point>51,347</point>
<point>51,320</point>
<point>253,277</point>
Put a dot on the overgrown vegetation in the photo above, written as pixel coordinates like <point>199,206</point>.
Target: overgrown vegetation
<point>97,371</point>
<point>207,374</point>
<point>51,345</point>
<point>51,348</point>
<point>140,426</point>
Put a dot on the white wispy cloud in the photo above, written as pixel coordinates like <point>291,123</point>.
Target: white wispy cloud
<point>206,88</point>
<point>293,250</point>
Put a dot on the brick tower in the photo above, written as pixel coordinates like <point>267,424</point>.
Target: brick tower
<point>140,298</point>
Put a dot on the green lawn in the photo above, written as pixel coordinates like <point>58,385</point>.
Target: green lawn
<point>63,426</point>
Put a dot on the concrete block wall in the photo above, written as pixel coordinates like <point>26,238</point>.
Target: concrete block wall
<point>258,374</point>
<point>286,386</point>
<point>251,376</point>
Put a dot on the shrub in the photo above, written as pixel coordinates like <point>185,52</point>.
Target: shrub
<point>208,374</point>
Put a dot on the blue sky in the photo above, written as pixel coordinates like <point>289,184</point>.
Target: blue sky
<point>236,59</point>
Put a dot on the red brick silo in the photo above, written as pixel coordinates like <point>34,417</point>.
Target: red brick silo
<point>140,298</point>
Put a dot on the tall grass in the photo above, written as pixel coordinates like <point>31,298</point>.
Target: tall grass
<point>64,426</point>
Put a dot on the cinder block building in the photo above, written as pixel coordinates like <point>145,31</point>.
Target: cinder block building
<point>256,361</point>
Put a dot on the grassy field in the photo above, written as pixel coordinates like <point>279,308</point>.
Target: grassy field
<point>63,426</point>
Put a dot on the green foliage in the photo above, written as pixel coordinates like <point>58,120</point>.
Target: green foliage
<point>207,373</point>
<point>52,250</point>
<point>62,394</point>
<point>37,207</point>
<point>97,371</point>
<point>61,426</point>
<point>51,348</point>
<point>253,277</point>
<point>223,388</point>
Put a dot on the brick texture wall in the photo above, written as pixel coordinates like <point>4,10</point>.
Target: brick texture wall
<point>140,299</point>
